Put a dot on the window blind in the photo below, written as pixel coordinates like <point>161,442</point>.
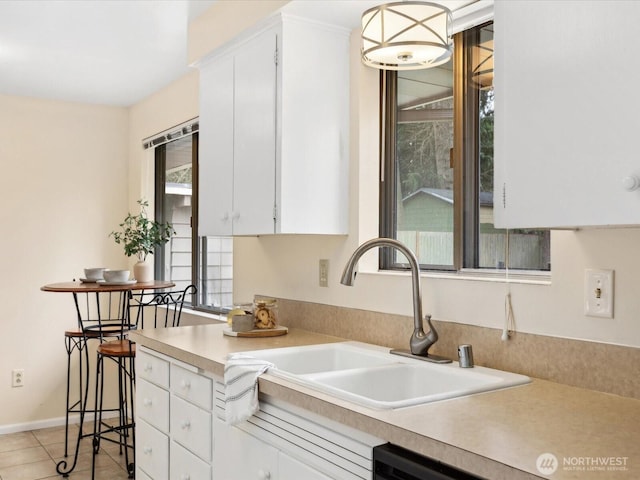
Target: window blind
<point>171,134</point>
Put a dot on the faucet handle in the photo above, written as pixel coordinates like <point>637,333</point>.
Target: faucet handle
<point>465,356</point>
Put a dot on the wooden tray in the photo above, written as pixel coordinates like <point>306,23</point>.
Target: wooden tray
<point>267,332</point>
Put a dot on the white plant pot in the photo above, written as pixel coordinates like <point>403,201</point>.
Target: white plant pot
<point>143,272</point>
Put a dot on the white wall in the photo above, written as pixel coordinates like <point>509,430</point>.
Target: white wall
<point>64,167</point>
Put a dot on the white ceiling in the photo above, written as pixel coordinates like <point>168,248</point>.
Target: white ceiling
<point>112,52</point>
<point>117,52</point>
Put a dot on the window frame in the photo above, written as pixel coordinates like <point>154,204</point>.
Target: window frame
<point>465,160</point>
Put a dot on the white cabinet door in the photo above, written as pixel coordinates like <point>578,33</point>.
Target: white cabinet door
<point>566,103</point>
<point>313,116</point>
<point>152,451</point>
<point>254,167</point>
<point>186,466</point>
<point>191,427</point>
<point>237,140</point>
<point>215,164</point>
<point>291,469</point>
<point>240,456</point>
<point>274,132</point>
<point>153,405</point>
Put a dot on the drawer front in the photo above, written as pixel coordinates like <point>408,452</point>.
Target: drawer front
<point>152,451</point>
<point>186,466</point>
<point>140,475</point>
<point>152,405</point>
<point>191,427</point>
<point>192,386</point>
<point>152,368</point>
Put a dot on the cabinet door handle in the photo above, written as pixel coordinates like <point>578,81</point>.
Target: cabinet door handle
<point>147,450</point>
<point>185,476</point>
<point>185,384</point>
<point>235,215</point>
<point>148,367</point>
<point>263,475</point>
<point>147,402</point>
<point>185,424</point>
<point>225,217</point>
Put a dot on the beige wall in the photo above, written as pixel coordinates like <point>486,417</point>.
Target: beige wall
<point>65,168</point>
<point>223,20</point>
<point>171,106</point>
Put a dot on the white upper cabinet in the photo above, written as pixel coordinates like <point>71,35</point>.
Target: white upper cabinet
<point>566,108</point>
<point>274,131</point>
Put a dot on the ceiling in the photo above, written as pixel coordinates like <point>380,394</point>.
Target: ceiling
<point>117,52</point>
<point>111,52</point>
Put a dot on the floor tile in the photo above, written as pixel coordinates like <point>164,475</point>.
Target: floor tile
<point>34,456</point>
<point>28,471</point>
<point>15,441</point>
<point>23,456</point>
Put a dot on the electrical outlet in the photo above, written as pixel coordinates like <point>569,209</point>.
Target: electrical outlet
<point>17,377</point>
<point>323,272</point>
<point>598,293</point>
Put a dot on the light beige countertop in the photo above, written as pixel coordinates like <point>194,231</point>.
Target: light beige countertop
<point>497,435</point>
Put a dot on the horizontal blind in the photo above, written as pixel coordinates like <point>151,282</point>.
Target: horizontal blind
<point>187,128</point>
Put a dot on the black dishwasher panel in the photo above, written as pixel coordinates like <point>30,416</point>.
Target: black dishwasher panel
<point>391,462</point>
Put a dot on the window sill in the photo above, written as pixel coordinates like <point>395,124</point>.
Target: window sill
<point>496,276</point>
<point>203,314</point>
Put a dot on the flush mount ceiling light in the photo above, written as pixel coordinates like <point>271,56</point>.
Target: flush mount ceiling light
<point>406,36</point>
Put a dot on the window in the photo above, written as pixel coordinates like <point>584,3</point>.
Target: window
<point>437,181</point>
<point>206,262</point>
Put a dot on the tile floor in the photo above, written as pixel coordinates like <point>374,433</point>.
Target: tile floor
<point>33,456</point>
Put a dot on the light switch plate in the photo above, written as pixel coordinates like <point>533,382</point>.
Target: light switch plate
<point>598,293</point>
<point>323,268</point>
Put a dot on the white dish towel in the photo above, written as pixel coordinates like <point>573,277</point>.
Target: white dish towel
<point>241,374</point>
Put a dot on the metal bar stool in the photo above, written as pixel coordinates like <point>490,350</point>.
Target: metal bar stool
<point>122,352</point>
<point>89,310</point>
<point>159,309</point>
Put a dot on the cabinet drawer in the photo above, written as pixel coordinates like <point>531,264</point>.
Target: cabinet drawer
<point>186,466</point>
<point>192,386</point>
<point>152,451</point>
<point>152,368</point>
<point>191,427</point>
<point>153,405</point>
<point>140,475</point>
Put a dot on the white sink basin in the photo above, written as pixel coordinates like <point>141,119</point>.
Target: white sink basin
<point>369,375</point>
<point>326,357</point>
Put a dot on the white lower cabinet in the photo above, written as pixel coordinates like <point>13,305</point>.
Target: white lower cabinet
<point>152,451</point>
<point>184,465</point>
<point>240,456</point>
<point>283,442</point>
<point>289,469</point>
<point>191,427</point>
<point>181,433</point>
<point>174,419</point>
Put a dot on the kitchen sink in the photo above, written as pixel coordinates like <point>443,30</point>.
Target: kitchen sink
<point>326,357</point>
<point>369,375</point>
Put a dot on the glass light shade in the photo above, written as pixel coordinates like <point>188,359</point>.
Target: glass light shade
<point>406,36</point>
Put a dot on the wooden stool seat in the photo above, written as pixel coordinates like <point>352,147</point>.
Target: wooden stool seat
<point>117,348</point>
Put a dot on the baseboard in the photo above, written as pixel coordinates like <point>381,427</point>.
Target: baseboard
<point>48,423</point>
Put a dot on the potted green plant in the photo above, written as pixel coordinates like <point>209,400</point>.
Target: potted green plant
<point>140,235</point>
